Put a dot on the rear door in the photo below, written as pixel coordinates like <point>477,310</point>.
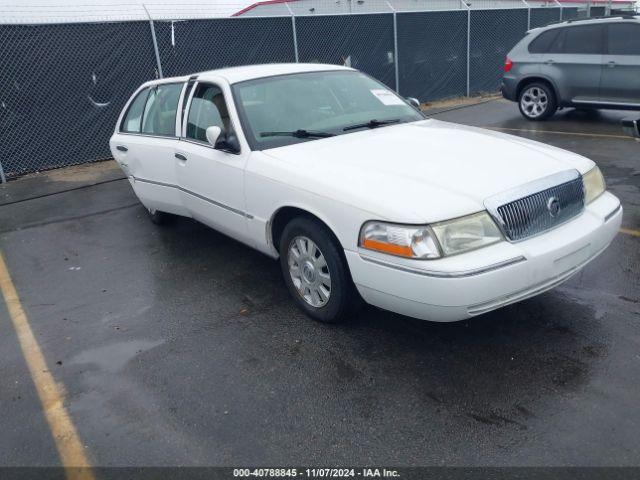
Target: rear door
<point>620,81</point>
<point>145,145</point>
<point>574,61</point>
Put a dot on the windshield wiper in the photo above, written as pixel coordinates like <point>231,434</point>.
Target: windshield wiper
<point>371,124</point>
<point>298,134</point>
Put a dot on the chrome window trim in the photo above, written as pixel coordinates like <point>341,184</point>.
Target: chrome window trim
<point>494,202</point>
<point>440,274</point>
<point>150,135</point>
<point>197,195</point>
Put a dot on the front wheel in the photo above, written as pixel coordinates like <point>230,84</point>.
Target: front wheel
<point>537,101</point>
<point>315,271</point>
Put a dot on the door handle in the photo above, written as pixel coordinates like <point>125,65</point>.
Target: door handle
<point>181,157</point>
<point>611,64</point>
<point>122,148</point>
<point>549,62</point>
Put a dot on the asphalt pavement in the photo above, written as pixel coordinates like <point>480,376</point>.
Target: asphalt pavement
<point>177,345</point>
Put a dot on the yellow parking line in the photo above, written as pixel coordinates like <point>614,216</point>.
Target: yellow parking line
<point>630,231</point>
<point>578,134</point>
<point>70,449</point>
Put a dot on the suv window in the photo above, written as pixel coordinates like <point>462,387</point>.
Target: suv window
<point>582,39</point>
<point>543,42</point>
<point>159,116</point>
<point>623,39</point>
<point>207,109</point>
<point>131,121</point>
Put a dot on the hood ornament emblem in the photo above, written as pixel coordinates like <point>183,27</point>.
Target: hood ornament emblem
<point>553,206</point>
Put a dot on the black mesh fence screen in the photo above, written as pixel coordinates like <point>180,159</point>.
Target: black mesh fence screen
<point>569,13</point>
<point>432,54</point>
<point>195,45</point>
<point>62,88</point>
<point>544,16</point>
<point>364,42</point>
<point>493,34</point>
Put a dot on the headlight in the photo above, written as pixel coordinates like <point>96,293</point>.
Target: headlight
<point>409,241</point>
<point>466,233</point>
<point>594,185</point>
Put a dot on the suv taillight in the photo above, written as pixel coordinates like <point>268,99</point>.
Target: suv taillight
<point>508,64</point>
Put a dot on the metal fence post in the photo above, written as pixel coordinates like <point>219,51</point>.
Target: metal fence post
<point>560,5</point>
<point>395,47</point>
<point>3,179</point>
<point>528,14</point>
<point>468,50</point>
<point>155,42</point>
<point>295,34</point>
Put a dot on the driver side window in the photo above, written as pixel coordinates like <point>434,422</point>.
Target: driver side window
<point>208,108</point>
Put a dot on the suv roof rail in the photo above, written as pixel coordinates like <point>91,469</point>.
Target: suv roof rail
<point>603,17</point>
<point>572,20</point>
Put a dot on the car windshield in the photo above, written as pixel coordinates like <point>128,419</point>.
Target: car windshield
<point>302,107</point>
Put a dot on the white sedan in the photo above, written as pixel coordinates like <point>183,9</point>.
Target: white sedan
<point>358,194</point>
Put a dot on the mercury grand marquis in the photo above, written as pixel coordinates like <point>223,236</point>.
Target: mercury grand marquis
<point>361,196</point>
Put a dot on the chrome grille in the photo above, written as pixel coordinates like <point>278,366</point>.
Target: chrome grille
<point>542,210</point>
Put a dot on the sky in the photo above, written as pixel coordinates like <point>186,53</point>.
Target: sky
<point>97,9</point>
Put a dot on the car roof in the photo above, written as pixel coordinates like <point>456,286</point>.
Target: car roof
<point>250,72</point>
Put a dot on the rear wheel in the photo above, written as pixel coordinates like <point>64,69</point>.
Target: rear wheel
<point>537,101</point>
<point>315,271</point>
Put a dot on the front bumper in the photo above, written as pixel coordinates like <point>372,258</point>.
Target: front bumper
<point>462,286</point>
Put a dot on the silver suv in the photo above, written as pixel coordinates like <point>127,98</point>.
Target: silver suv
<point>588,64</point>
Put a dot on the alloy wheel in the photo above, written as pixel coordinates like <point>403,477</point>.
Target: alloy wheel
<point>309,271</point>
<point>534,102</point>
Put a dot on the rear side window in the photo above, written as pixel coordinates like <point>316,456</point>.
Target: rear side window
<point>133,118</point>
<point>159,117</point>
<point>583,39</point>
<point>623,39</point>
<point>542,43</point>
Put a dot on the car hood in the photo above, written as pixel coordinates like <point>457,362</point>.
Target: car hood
<point>423,171</point>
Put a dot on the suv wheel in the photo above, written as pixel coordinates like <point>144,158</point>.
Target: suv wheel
<point>537,101</point>
<point>314,270</point>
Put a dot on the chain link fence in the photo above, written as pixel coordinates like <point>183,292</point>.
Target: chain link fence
<point>62,86</point>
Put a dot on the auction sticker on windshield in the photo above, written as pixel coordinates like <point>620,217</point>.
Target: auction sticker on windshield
<point>387,97</point>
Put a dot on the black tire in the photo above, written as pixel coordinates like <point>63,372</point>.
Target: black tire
<point>529,111</point>
<point>158,217</point>
<point>343,294</point>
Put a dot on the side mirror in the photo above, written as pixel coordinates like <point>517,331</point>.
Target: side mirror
<point>414,102</point>
<point>213,133</point>
<point>631,126</point>
<point>231,143</point>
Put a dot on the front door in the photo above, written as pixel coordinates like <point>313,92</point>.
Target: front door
<point>211,179</point>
